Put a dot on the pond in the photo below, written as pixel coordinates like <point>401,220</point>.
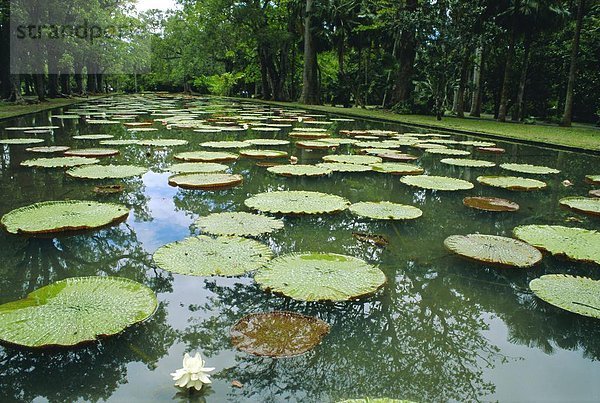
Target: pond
<point>441,329</point>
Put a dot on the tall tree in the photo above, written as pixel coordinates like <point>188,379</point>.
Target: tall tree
<point>568,112</point>
<point>310,76</point>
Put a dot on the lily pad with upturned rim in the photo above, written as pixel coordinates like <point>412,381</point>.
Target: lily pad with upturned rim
<point>93,137</point>
<point>225,144</point>
<point>75,311</point>
<point>320,277</point>
<point>495,204</point>
<point>92,152</point>
<point>207,256</point>
<point>120,142</point>
<point>238,223</point>
<point>60,216</point>
<point>466,162</point>
<point>277,334</point>
<point>574,243</point>
<point>197,167</point>
<point>385,210</point>
<point>106,171</point>
<point>446,151</point>
<point>59,162</point>
<point>297,202</point>
<point>205,181</point>
<point>397,168</point>
<point>163,143</point>
<point>352,159</point>
<point>263,153</point>
<point>108,189</point>
<point>594,193</point>
<point>267,142</point>
<point>593,179</point>
<point>497,250</point>
<point>580,295</point>
<point>206,156</point>
<point>586,205</point>
<point>299,170</point>
<point>512,182</point>
<point>340,167</point>
<point>442,183</point>
<point>20,141</point>
<point>529,169</point>
<point>48,149</point>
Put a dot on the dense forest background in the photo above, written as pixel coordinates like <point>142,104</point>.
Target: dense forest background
<point>519,60</point>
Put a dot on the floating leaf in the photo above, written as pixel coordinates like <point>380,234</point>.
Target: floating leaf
<point>197,167</point>
<point>126,142</point>
<point>58,216</point>
<point>48,149</point>
<point>491,150</point>
<point>108,189</point>
<point>277,334</point>
<point>587,205</point>
<point>205,181</point>
<point>374,239</point>
<point>206,256</point>
<point>76,310</point>
<point>498,250</point>
<point>594,193</point>
<point>436,182</point>
<point>490,204</point>
<point>315,145</point>
<point>21,141</point>
<point>59,162</point>
<point>397,168</point>
<point>225,144</point>
<point>163,143</point>
<point>93,137</point>
<point>268,142</point>
<point>106,171</point>
<point>578,295</point>
<point>299,170</point>
<point>574,243</point>
<point>320,277</point>
<point>206,156</point>
<point>593,179</point>
<point>395,156</point>
<point>92,152</point>
<point>466,162</point>
<point>446,151</point>
<point>239,223</point>
<point>297,202</point>
<point>340,167</point>
<point>375,400</point>
<point>385,211</point>
<point>263,153</point>
<point>352,159</point>
<point>529,169</point>
<point>511,182</point>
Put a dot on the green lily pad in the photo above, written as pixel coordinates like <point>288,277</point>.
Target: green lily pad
<point>59,162</point>
<point>320,277</point>
<point>397,168</point>
<point>225,144</point>
<point>586,205</point>
<point>297,202</point>
<point>122,142</point>
<point>315,145</point>
<point>93,137</point>
<point>529,169</point>
<point>578,295</point>
<point>58,216</point>
<point>446,151</point>
<point>466,162</point>
<point>511,182</point>
<point>263,153</point>
<point>197,167</point>
<point>163,143</point>
<point>205,181</point>
<point>385,210</point>
<point>268,142</point>
<point>106,171</point>
<point>593,179</point>
<point>75,311</point>
<point>299,170</point>
<point>497,250</point>
<point>206,256</point>
<point>443,183</point>
<point>92,152</point>
<point>352,159</point>
<point>375,400</point>
<point>48,149</point>
<point>206,156</point>
<point>594,193</point>
<point>239,223</point>
<point>277,334</point>
<point>574,243</point>
<point>21,141</point>
<point>490,204</point>
<point>340,167</point>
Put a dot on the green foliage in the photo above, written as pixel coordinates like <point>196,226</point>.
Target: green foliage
<point>219,84</point>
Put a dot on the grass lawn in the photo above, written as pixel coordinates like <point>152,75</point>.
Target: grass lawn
<point>579,136</point>
<point>8,110</point>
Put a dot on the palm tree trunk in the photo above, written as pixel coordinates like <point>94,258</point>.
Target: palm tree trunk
<point>310,75</point>
<point>505,92</point>
<point>518,111</point>
<point>568,113</point>
<point>476,99</point>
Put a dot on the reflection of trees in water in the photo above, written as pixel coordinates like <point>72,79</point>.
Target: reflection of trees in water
<point>91,372</point>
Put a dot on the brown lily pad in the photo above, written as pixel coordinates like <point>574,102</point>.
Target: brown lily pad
<point>374,239</point>
<point>490,204</point>
<point>108,189</point>
<point>491,150</point>
<point>595,193</point>
<point>278,334</point>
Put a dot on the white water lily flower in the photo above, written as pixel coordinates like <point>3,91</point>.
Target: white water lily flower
<point>193,374</point>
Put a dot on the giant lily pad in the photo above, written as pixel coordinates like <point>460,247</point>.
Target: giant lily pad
<point>315,145</point>
<point>574,243</point>
<point>297,202</point>
<point>206,156</point>
<point>277,334</point>
<point>92,152</point>
<point>320,277</point>
<point>511,182</point>
<point>268,142</point>
<point>76,310</point>
<point>466,162</point>
<point>385,210</point>
<point>21,141</point>
<point>206,256</point>
<point>299,170</point>
<point>529,169</point>
<point>340,167</point>
<point>436,182</point>
<point>106,171</point>
<point>490,204</point>
<point>163,143</point>
<point>446,151</point>
<point>578,295</point>
<point>587,205</point>
<point>593,179</point>
<point>59,162</point>
<point>121,142</point>
<point>352,159</point>
<point>205,181</point>
<point>497,250</point>
<point>48,149</point>
<point>375,400</point>
<point>225,144</point>
<point>197,167</point>
<point>397,168</point>
<point>93,137</point>
<point>58,216</point>
<point>594,193</point>
<point>240,223</point>
<point>263,153</point>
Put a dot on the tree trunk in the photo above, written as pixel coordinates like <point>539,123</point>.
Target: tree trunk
<point>568,113</point>
<point>65,83</point>
<point>462,84</point>
<point>264,75</point>
<point>14,94</point>
<point>40,87</point>
<point>477,71</point>
<point>310,75</point>
<point>505,91</point>
<point>406,59</point>
<point>518,110</point>
<point>100,82</point>
<point>5,81</point>
<point>91,83</point>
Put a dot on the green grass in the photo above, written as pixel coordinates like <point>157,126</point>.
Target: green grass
<point>8,110</point>
<point>578,136</point>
